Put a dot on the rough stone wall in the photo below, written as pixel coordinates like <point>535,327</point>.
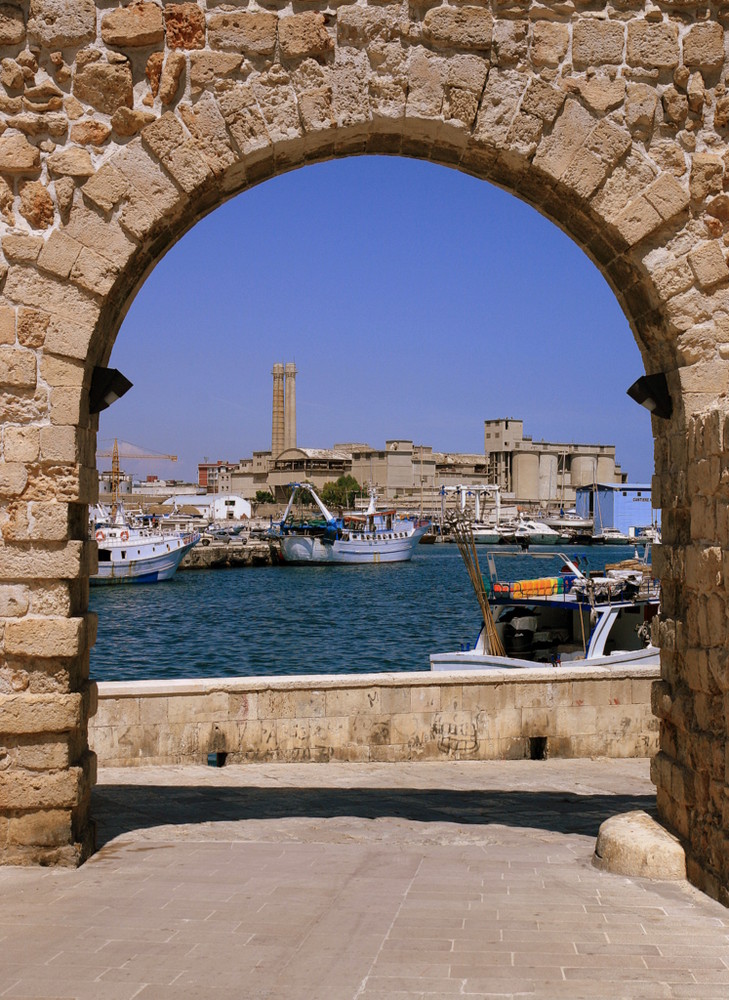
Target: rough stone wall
<point>122,124</point>
<point>503,715</point>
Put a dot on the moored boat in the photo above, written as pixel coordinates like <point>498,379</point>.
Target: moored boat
<point>565,619</point>
<point>369,537</point>
<point>132,554</point>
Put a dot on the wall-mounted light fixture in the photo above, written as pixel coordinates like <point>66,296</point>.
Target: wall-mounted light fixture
<point>652,392</point>
<point>107,385</point>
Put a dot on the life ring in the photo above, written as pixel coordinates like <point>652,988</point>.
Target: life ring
<point>124,535</point>
<point>100,536</point>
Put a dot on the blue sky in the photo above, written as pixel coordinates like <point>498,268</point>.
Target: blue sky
<point>416,302</point>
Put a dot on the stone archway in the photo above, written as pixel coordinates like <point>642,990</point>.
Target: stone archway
<point>124,124</point>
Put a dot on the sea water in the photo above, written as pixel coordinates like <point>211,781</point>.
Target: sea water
<point>304,619</point>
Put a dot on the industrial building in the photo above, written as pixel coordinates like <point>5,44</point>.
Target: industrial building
<point>623,506</point>
<point>526,471</point>
<point>543,471</point>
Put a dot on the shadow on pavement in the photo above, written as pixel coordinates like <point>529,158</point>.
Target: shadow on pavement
<point>120,809</point>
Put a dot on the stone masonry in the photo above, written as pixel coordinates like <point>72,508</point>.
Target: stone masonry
<point>122,124</point>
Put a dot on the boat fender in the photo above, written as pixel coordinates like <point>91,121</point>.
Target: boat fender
<point>124,536</point>
<point>100,536</point>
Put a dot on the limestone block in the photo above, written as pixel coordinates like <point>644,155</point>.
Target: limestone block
<point>425,84</point>
<point>36,790</point>
<point>640,107</point>
<point>707,172</point>
<point>634,844</point>
<point>185,26</point>
<point>696,92</point>
<point>304,35</point>
<point>36,562</point>
<point>17,367</point>
<point>106,187</point>
<point>105,238</point>
<point>21,444</point>
<point>126,121</point>
<point>64,188</point>
<point>71,162</point>
<point>570,131</point>
<point>12,25</point>
<point>105,86</point>
<point>550,41</point>
<point>24,714</point>
<point>703,46</point>
<point>597,43</point>
<point>708,264</point>
<point>45,637</point>
<point>36,204</point>
<point>675,106</point>
<point>48,520</point>
<point>207,126</point>
<point>13,479</point>
<point>18,156</point>
<point>667,196</point>
<point>542,100</point>
<point>93,272</point>
<point>39,124</point>
<point>14,600</point>
<point>137,24</point>
<point>277,102</point>
<point>45,828</point>
<point>57,24</point>
<point>510,41</point>
<point>653,46</point>
<point>467,28</point>
<point>207,68</point>
<point>59,254</point>
<point>172,71</point>
<point>89,133</point>
<point>153,71</point>
<point>22,249</point>
<point>7,326</point>
<point>252,34</point>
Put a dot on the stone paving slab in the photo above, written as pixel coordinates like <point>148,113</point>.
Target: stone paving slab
<point>359,882</point>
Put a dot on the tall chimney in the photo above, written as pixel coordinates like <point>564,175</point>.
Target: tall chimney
<point>290,409</point>
<point>277,427</point>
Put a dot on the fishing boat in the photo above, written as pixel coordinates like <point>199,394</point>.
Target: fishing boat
<point>130,553</point>
<point>371,536</point>
<point>569,618</point>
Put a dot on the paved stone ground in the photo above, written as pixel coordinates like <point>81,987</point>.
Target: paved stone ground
<point>358,882</point>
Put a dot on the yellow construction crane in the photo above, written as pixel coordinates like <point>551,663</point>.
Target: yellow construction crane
<point>131,452</point>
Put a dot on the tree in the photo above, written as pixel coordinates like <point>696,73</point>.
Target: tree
<point>342,493</point>
<point>263,496</point>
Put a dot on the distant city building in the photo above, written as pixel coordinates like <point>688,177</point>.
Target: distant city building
<point>208,474</point>
<point>541,471</point>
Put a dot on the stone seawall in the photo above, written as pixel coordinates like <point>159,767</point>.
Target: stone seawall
<point>225,555</point>
<point>378,717</point>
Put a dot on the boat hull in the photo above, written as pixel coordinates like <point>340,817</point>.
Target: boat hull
<point>297,548</point>
<point>472,660</point>
<point>152,568</point>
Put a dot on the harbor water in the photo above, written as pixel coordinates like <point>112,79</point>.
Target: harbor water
<point>303,619</point>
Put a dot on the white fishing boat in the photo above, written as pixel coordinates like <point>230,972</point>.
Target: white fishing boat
<point>565,619</point>
<point>369,537</point>
<point>130,553</point>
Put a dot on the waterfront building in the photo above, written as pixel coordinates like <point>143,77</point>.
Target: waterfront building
<point>544,471</point>
<point>617,505</point>
<point>208,474</point>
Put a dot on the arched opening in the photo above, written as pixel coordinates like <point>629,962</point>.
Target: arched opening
<point>430,303</point>
<point>612,127</point>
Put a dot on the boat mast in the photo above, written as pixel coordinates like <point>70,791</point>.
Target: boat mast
<point>115,478</point>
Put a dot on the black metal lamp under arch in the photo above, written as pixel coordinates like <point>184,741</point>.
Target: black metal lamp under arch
<point>652,392</point>
<point>107,385</point>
